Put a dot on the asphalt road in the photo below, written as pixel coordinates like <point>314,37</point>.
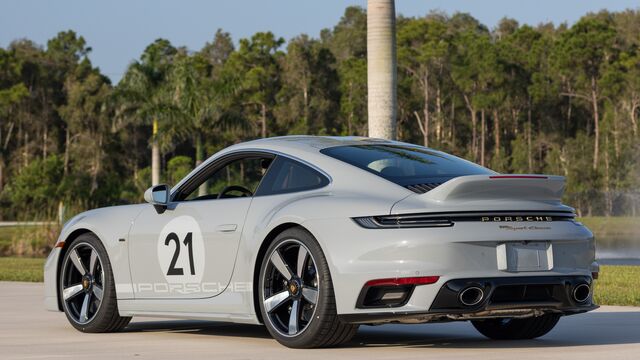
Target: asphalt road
<point>27,331</point>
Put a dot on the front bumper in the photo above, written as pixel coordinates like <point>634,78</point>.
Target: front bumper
<point>513,297</point>
<point>51,300</point>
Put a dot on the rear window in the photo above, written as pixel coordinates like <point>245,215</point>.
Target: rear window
<point>405,165</point>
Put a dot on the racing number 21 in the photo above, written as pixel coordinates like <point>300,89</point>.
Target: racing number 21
<point>173,270</point>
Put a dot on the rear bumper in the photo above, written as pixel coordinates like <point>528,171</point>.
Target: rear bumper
<point>514,297</point>
<point>466,250</point>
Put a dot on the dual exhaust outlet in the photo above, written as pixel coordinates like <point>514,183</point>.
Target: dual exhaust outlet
<point>474,295</point>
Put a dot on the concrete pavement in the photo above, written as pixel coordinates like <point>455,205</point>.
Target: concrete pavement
<point>27,331</point>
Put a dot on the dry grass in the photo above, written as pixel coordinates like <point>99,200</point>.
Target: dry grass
<point>29,241</point>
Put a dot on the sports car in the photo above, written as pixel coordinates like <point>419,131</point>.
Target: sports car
<point>314,236</point>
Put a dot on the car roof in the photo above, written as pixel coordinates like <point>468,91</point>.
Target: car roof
<point>315,143</point>
<point>302,147</point>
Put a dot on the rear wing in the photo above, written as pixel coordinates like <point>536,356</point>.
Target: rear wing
<point>548,188</point>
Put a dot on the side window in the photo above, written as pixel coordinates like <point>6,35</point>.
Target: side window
<point>286,176</point>
<point>238,178</point>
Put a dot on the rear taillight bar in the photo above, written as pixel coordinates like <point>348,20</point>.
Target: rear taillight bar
<point>382,222</point>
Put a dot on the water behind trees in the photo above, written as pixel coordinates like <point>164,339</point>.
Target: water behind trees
<point>617,239</point>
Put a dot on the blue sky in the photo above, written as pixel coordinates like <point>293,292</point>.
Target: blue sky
<point>118,30</point>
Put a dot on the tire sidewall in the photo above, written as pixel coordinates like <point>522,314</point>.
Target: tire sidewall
<point>325,289</point>
<point>108,286</point>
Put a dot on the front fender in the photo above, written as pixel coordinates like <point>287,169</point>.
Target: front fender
<point>111,225</point>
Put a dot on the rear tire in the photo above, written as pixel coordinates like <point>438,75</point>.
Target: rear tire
<point>87,290</point>
<point>516,329</point>
<point>285,286</point>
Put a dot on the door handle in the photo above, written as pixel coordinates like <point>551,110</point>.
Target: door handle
<point>227,228</point>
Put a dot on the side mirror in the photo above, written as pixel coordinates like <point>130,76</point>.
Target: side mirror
<point>158,196</point>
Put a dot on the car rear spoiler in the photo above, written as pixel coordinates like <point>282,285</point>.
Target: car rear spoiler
<point>548,188</point>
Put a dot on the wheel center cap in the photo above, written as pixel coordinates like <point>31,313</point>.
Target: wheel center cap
<point>86,282</point>
<point>294,287</point>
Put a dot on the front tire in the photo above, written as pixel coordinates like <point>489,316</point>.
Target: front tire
<point>516,329</point>
<point>87,290</point>
<point>296,294</point>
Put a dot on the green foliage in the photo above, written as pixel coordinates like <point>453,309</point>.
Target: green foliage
<point>517,98</point>
<point>177,168</point>
<point>36,190</point>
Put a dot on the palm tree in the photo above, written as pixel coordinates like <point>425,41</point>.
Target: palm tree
<point>146,99</point>
<point>381,64</point>
<point>204,104</point>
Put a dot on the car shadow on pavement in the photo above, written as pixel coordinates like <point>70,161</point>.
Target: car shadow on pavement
<point>198,327</point>
<point>578,330</point>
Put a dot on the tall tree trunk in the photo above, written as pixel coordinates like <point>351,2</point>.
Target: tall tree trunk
<point>566,123</point>
<point>607,179</point>
<point>26,149</point>
<point>474,132</point>
<point>439,117</point>
<point>496,134</point>
<point>421,126</point>
<point>350,117</point>
<point>44,143</point>
<point>67,143</point>
<point>202,190</point>
<point>97,162</point>
<point>263,120</point>
<point>1,166</point>
<point>633,107</point>
<point>616,134</point>
<point>155,156</point>
<point>382,74</point>
<point>529,145</point>
<point>483,124</point>
<point>425,109</point>
<point>452,124</point>
<point>305,94</point>
<point>596,122</point>
<point>19,138</point>
<point>1,175</point>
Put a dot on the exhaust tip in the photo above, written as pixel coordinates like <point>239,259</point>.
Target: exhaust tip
<point>581,293</point>
<point>471,296</point>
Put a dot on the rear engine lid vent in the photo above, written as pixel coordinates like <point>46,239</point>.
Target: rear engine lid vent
<point>423,188</point>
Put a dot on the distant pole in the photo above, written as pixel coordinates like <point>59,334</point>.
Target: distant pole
<point>382,73</point>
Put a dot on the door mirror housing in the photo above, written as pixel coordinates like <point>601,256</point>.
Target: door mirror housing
<point>158,196</point>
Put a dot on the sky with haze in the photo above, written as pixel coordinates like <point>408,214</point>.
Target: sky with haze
<point>119,30</point>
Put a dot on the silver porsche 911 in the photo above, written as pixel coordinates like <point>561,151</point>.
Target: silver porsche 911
<point>313,236</point>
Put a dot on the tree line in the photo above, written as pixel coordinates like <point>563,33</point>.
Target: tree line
<point>516,98</point>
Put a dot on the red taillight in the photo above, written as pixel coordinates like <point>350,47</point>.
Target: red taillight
<point>420,280</point>
<point>517,177</point>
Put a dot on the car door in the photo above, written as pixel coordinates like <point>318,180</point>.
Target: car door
<point>189,250</point>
